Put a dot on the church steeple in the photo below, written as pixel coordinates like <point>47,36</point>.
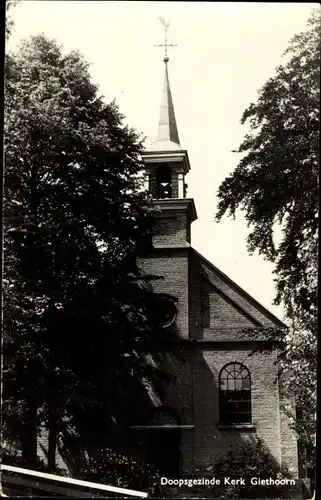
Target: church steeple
<point>166,165</point>
<point>167,138</point>
<point>167,128</point>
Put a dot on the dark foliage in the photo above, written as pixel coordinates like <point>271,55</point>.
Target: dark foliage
<point>119,470</point>
<point>78,327</point>
<point>276,185</point>
<point>276,180</point>
<point>248,460</point>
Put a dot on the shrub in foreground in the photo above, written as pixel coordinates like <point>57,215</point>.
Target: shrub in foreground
<point>115,469</point>
<point>248,460</point>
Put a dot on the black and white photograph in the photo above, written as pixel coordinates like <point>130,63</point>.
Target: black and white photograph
<point>160,249</point>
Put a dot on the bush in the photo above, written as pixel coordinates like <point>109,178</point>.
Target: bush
<point>248,460</point>
<point>115,469</point>
<point>12,456</point>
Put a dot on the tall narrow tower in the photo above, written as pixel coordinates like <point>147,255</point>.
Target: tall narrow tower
<point>167,164</point>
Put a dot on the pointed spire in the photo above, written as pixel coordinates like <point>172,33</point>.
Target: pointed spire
<point>167,128</point>
<point>167,138</point>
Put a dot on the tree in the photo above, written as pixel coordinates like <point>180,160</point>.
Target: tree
<point>77,310</point>
<point>9,21</point>
<point>276,184</point>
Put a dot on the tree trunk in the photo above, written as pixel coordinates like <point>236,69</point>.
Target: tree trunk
<point>52,444</point>
<point>28,438</point>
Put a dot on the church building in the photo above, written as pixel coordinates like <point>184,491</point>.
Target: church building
<point>222,393</point>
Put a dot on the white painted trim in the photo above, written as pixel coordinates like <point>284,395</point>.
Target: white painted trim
<point>180,185</point>
<point>71,481</point>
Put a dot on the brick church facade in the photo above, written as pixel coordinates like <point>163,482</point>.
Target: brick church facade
<point>222,394</point>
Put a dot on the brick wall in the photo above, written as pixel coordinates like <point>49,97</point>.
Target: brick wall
<point>212,312</point>
<point>217,313</point>
<point>225,286</point>
<point>195,297</point>
<point>180,397</point>
<point>172,265</point>
<point>209,439</point>
<point>42,451</point>
<point>171,228</point>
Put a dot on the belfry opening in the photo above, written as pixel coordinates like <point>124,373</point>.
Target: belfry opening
<point>163,182</point>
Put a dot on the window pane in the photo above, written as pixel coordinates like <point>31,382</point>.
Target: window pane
<point>236,418</point>
<point>239,407</point>
<point>246,383</point>
<point>230,384</point>
<point>240,395</point>
<point>238,384</point>
<point>223,385</point>
<point>241,418</point>
<point>235,395</point>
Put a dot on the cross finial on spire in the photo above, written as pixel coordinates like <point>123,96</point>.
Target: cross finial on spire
<point>165,44</point>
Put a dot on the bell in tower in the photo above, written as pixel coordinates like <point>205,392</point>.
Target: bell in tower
<point>166,165</point>
<point>163,182</point>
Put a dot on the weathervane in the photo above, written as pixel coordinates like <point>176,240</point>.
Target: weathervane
<point>166,26</point>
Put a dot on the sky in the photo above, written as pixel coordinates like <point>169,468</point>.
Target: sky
<point>225,53</point>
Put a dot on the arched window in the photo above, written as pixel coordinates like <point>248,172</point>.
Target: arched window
<point>235,394</point>
<point>163,182</point>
